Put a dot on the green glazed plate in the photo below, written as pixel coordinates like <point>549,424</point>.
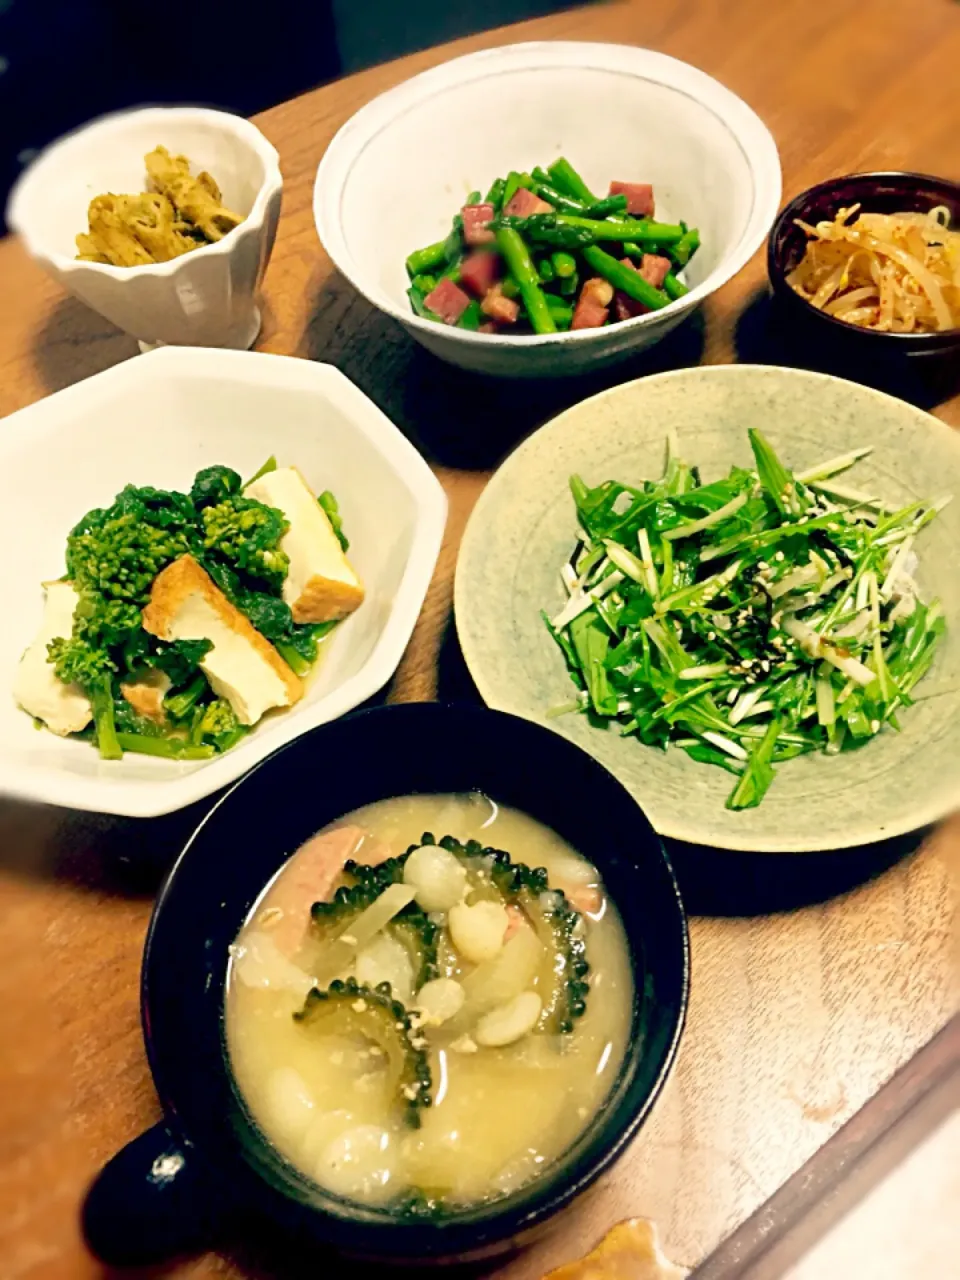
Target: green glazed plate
<point>524,528</point>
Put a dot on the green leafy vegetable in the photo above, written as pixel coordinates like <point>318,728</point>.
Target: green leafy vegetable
<point>749,620</point>
<point>180,659</point>
<point>213,485</point>
<point>113,556</point>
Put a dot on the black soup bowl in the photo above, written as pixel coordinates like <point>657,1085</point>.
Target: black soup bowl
<point>181,1184</point>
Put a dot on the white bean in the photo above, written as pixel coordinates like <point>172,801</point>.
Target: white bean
<point>510,1022</point>
<point>322,1130</point>
<point>439,878</point>
<point>384,959</point>
<point>290,1103</point>
<point>477,932</point>
<point>258,962</point>
<point>440,1000</point>
<point>359,1164</point>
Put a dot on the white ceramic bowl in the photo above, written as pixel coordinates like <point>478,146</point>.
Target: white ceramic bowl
<point>156,420</point>
<point>204,298</point>
<point>396,173</point>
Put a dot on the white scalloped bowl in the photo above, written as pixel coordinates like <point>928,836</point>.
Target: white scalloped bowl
<point>398,170</point>
<point>156,420</point>
<point>203,298</point>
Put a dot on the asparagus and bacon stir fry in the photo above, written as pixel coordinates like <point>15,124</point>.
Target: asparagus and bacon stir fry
<point>540,252</point>
<point>750,620</point>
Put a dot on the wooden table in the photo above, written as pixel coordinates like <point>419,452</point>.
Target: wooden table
<point>798,1015</point>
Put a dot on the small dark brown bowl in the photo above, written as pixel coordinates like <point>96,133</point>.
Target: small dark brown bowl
<point>875,193</point>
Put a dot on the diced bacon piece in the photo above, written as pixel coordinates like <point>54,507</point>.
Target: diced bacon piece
<point>479,271</point>
<point>591,309</point>
<point>626,308</point>
<point>448,301</point>
<point>639,197</point>
<point>316,868</point>
<point>523,203</point>
<point>515,921</point>
<point>585,898</point>
<point>654,269</point>
<point>497,307</point>
<point>476,218</point>
<point>488,326</point>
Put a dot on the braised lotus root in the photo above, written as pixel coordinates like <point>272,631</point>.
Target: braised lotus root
<point>178,213</point>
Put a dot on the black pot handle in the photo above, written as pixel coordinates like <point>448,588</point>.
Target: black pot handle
<point>150,1202</point>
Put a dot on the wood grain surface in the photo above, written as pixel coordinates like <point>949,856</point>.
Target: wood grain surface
<point>815,978</point>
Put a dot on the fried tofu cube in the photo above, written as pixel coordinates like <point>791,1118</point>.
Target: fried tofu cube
<point>243,666</point>
<point>321,585</point>
<point>63,708</point>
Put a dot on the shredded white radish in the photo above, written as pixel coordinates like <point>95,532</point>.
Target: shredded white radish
<point>726,744</point>
<point>582,600</point>
<point>815,646</point>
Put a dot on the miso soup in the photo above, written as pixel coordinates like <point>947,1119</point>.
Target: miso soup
<point>429,1003</point>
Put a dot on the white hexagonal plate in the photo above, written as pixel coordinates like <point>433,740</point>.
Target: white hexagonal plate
<point>155,420</point>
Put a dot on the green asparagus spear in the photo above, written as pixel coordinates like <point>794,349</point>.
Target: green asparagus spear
<point>513,184</point>
<point>453,245</point>
<point>566,231</point>
<point>562,312</point>
<point>569,285</point>
<point>551,227</point>
<point>434,255</point>
<point>520,265</point>
<point>472,317</point>
<point>495,194</point>
<point>564,264</point>
<point>673,287</point>
<point>473,198</point>
<point>509,287</point>
<point>562,203</point>
<point>608,207</point>
<point>545,270</point>
<point>426,284</point>
<point>565,272</point>
<point>626,279</point>
<point>684,249</point>
<point>565,178</point>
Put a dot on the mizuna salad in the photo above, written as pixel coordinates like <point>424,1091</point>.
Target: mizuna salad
<point>750,620</point>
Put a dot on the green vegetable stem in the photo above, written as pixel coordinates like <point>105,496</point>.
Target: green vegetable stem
<point>520,265</point>
<point>759,617</point>
<point>428,259</point>
<point>625,278</point>
<point>565,178</point>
